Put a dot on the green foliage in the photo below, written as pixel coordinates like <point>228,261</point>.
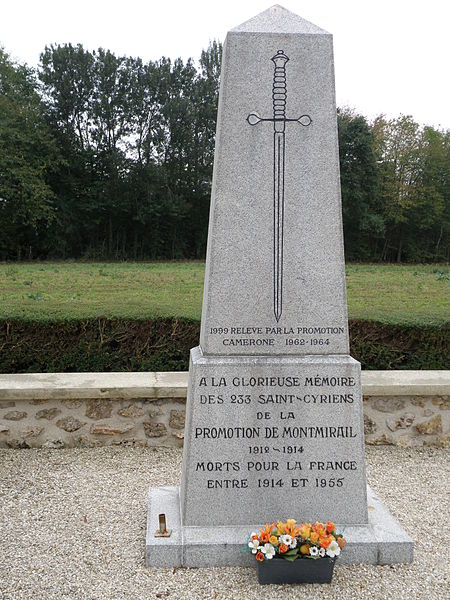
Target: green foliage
<point>107,157</point>
<point>105,345</point>
<point>140,139</point>
<point>363,224</point>
<point>28,156</point>
<point>414,197</point>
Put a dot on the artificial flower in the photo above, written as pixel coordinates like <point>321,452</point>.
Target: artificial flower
<point>333,549</point>
<point>305,531</point>
<point>268,550</point>
<point>304,549</point>
<point>280,527</point>
<point>286,539</point>
<point>291,541</point>
<point>325,542</point>
<point>330,527</point>
<point>273,540</point>
<point>266,532</point>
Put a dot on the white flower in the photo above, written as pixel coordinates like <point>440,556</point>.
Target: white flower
<point>321,551</point>
<point>293,544</point>
<point>333,549</point>
<point>314,551</point>
<point>254,545</point>
<point>268,550</point>
<point>286,539</point>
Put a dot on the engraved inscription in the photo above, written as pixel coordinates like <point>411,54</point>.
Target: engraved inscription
<point>278,431</point>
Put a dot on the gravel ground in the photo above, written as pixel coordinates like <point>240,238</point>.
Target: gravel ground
<point>72,525</point>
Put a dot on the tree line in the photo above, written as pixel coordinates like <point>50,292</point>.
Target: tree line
<point>109,157</point>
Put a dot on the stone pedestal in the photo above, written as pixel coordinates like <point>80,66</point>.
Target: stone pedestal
<point>267,437</point>
<point>380,541</point>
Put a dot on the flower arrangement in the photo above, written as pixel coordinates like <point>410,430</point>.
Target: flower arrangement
<point>286,539</point>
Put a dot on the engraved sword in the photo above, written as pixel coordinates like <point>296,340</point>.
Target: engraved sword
<point>279,96</point>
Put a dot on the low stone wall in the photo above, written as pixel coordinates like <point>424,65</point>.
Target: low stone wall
<point>65,410</point>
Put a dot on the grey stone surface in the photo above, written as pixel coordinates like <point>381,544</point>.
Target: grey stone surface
<point>15,415</point>
<point>287,431</point>
<point>381,541</point>
<point>274,419</point>
<point>394,544</point>
<point>164,551</point>
<point>69,389</point>
<point>238,315</point>
<point>278,19</point>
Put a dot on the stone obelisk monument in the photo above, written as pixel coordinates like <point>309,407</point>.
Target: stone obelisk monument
<point>274,421</point>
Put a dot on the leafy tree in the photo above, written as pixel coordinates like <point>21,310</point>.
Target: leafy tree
<point>111,157</point>
<point>363,222</point>
<point>28,156</point>
<point>414,173</point>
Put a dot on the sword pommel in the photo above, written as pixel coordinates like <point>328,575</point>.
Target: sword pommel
<point>279,91</point>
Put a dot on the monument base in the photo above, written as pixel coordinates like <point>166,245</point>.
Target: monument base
<point>382,541</point>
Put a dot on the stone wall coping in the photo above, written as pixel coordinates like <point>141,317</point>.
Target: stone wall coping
<point>131,385</point>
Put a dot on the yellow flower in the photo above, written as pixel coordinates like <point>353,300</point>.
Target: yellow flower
<point>273,540</point>
<point>305,531</point>
<point>304,548</point>
<point>280,527</point>
<point>314,536</point>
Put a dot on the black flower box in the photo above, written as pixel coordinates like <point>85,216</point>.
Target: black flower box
<point>303,570</point>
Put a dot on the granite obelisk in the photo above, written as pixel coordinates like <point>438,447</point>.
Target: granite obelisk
<point>274,422</point>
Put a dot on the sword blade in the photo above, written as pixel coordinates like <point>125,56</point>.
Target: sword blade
<point>278,221</point>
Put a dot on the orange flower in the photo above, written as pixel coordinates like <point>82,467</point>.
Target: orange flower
<point>260,556</point>
<point>325,542</point>
<point>304,548</point>
<point>330,527</point>
<point>341,541</point>
<point>283,548</point>
<point>255,537</point>
<point>319,527</point>
<point>273,540</point>
<point>314,537</point>
<point>266,532</point>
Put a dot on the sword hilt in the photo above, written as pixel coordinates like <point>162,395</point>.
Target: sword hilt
<point>279,91</point>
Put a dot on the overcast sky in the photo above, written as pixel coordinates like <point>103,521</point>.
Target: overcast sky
<point>391,56</point>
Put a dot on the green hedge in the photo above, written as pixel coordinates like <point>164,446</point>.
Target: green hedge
<point>163,345</point>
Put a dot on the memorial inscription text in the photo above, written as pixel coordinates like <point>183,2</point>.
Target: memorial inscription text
<point>280,431</point>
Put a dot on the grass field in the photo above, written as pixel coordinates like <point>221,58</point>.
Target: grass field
<point>61,291</point>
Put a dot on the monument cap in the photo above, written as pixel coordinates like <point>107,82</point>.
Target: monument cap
<point>280,20</point>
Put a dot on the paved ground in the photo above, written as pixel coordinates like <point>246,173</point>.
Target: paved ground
<point>72,525</point>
